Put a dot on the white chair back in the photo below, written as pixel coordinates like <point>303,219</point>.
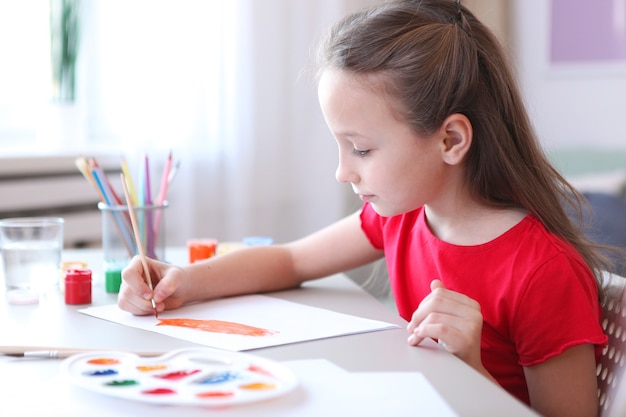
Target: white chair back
<point>611,367</point>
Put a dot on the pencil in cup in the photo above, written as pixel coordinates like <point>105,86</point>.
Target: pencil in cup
<point>115,254</point>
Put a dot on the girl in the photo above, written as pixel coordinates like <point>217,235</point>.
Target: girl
<point>458,197</point>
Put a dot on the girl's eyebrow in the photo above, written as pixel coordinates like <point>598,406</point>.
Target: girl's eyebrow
<point>351,134</point>
<point>347,133</point>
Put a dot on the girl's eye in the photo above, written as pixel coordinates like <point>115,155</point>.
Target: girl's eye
<point>358,152</point>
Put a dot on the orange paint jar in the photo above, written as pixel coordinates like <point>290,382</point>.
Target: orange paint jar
<point>200,249</point>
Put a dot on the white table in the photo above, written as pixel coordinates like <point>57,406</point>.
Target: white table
<point>53,323</point>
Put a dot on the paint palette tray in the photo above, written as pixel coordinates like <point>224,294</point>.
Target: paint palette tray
<point>196,376</point>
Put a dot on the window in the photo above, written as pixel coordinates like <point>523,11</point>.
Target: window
<point>146,68</point>
<point>24,80</point>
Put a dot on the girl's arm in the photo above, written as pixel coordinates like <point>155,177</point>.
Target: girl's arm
<point>336,248</point>
<point>565,385</point>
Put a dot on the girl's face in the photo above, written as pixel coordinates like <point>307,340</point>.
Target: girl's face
<point>384,160</point>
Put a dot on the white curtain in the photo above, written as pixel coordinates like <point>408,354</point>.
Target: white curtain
<point>229,88</point>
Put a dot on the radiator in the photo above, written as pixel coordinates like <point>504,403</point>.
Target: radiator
<point>53,186</point>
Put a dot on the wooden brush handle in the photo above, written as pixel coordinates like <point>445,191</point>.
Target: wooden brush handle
<point>59,352</point>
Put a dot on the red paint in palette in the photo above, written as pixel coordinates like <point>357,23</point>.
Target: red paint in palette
<point>159,391</point>
<point>177,375</point>
<point>259,370</point>
<point>215,394</point>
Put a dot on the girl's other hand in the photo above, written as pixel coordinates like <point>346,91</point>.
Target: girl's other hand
<point>135,295</point>
<point>452,318</point>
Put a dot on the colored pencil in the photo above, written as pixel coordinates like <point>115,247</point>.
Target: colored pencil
<point>83,166</point>
<point>149,225</point>
<point>120,224</point>
<point>131,185</point>
<point>105,181</point>
<point>173,172</point>
<point>161,197</point>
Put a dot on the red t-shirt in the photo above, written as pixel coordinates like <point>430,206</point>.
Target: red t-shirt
<point>537,295</point>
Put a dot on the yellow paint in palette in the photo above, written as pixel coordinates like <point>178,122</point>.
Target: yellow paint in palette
<point>200,376</point>
<point>258,386</point>
<point>150,368</point>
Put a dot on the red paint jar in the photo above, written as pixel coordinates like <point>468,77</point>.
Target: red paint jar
<point>78,286</point>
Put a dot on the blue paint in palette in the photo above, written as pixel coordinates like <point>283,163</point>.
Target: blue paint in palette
<point>218,378</point>
<point>102,372</point>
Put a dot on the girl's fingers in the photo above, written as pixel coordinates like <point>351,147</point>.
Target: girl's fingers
<point>135,295</point>
<point>455,332</point>
<point>436,283</point>
<point>441,300</point>
<point>445,315</point>
<point>132,302</point>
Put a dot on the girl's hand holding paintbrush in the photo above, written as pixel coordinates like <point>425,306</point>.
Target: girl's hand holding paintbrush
<point>173,286</point>
<point>136,296</point>
<point>232,273</point>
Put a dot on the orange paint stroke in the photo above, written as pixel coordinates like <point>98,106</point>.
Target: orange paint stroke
<point>217,326</point>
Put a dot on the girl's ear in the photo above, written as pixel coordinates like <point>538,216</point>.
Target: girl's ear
<point>457,134</point>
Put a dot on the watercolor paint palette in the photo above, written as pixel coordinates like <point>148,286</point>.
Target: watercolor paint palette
<point>197,376</point>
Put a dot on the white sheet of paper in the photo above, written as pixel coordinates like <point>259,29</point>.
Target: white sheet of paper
<point>291,322</point>
<point>326,391</point>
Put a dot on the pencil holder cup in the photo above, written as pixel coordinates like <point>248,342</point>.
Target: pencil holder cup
<point>118,239</point>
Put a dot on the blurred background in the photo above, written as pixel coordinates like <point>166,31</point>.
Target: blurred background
<point>228,87</point>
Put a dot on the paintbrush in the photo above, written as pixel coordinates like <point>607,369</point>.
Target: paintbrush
<point>47,352</point>
<point>142,254</point>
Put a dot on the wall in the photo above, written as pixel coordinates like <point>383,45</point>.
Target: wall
<point>576,109</point>
<point>52,185</point>
<point>494,14</point>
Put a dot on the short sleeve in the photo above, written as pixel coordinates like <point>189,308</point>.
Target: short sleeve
<point>558,309</point>
<point>371,224</point>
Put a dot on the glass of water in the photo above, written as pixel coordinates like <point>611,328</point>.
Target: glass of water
<point>30,249</point>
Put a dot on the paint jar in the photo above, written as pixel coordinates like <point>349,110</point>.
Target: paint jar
<point>66,266</point>
<point>78,286</point>
<point>199,249</point>
<point>257,241</point>
<point>225,247</point>
<point>118,239</point>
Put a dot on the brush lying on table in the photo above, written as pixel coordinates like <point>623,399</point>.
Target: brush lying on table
<point>47,352</point>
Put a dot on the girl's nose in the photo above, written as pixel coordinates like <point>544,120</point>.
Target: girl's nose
<point>344,173</point>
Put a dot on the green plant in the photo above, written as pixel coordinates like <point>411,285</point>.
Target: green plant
<point>64,37</point>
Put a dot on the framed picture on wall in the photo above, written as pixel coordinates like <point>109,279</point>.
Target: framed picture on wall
<point>588,35</point>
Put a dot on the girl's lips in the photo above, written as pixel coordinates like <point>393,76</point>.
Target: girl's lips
<point>366,197</point>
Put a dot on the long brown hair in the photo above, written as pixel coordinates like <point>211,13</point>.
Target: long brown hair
<point>436,59</point>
